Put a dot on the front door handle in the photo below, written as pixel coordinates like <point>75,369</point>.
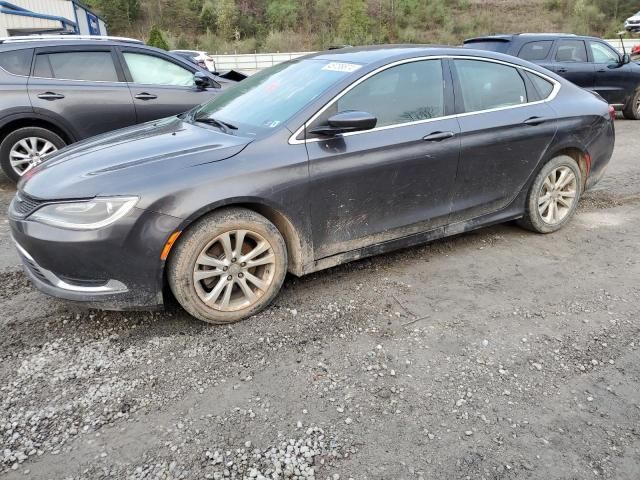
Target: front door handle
<point>51,96</point>
<point>146,96</point>
<point>438,136</point>
<point>536,120</point>
<point>562,70</point>
<point>602,70</point>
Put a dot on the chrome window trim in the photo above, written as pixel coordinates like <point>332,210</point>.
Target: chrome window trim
<point>556,88</point>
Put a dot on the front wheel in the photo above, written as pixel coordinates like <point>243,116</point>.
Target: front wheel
<point>631,110</point>
<point>228,266</point>
<point>553,197</point>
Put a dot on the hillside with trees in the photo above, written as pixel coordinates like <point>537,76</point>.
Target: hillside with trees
<point>243,26</point>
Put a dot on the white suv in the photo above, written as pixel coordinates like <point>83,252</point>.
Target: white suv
<point>201,58</point>
<point>632,24</point>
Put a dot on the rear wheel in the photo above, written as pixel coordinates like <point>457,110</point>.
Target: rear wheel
<point>553,196</point>
<point>228,266</point>
<point>24,148</point>
<point>631,110</point>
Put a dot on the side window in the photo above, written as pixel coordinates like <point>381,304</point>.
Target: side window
<point>542,86</point>
<point>533,51</point>
<point>152,70</point>
<point>88,66</point>
<point>17,62</point>
<point>571,51</point>
<point>401,94</point>
<point>603,53</point>
<point>487,85</point>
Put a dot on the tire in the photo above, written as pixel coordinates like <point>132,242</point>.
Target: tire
<point>631,110</point>
<point>199,270</point>
<point>563,198</point>
<point>44,138</point>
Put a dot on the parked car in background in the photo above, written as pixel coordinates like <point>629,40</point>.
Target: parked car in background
<point>588,62</point>
<point>56,90</point>
<point>632,24</point>
<point>635,53</point>
<point>200,57</point>
<point>325,159</point>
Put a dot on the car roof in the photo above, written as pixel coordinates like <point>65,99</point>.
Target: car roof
<point>35,41</point>
<point>374,54</point>
<point>526,36</point>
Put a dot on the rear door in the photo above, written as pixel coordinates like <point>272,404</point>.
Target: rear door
<point>570,60</point>
<point>506,128</point>
<point>613,80</point>
<point>161,85</point>
<point>81,87</point>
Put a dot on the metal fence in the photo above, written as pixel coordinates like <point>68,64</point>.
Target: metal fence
<point>253,62</point>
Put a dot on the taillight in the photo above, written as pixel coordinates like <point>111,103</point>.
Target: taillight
<point>612,112</point>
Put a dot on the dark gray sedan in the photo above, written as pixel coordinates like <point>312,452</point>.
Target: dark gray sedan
<point>326,159</point>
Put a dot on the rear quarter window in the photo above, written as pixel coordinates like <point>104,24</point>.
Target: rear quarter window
<point>17,62</point>
<point>533,51</point>
<point>543,87</point>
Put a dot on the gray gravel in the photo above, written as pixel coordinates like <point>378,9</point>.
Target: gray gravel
<point>498,354</point>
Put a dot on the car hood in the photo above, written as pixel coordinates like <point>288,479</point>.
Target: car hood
<point>106,164</point>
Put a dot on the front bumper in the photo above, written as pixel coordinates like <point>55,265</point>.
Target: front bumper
<point>117,267</point>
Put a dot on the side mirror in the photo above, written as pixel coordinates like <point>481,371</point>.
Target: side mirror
<point>345,122</point>
<point>202,80</point>
<point>626,58</point>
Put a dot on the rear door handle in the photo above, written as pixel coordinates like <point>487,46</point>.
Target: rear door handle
<point>438,136</point>
<point>562,70</point>
<point>536,120</point>
<point>146,96</point>
<point>51,96</point>
<point>602,70</point>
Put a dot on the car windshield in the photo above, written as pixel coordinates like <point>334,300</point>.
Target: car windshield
<point>269,98</point>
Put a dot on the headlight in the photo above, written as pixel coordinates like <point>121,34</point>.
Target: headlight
<point>85,215</point>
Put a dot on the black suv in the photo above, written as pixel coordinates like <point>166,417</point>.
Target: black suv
<point>56,90</point>
<point>588,62</point>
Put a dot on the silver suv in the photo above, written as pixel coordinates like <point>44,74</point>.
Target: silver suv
<point>56,90</point>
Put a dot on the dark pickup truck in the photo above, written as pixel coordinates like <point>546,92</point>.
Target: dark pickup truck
<point>589,62</point>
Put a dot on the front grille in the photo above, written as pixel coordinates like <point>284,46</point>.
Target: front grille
<point>24,205</point>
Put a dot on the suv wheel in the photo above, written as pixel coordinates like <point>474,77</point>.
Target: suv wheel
<point>25,148</point>
<point>228,266</point>
<point>631,110</point>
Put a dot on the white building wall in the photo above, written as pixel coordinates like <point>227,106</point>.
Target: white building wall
<point>61,8</point>
<point>83,25</point>
<point>13,22</point>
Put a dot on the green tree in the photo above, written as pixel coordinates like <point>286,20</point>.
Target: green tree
<point>156,39</point>
<point>282,14</point>
<point>225,13</point>
<point>120,15</point>
<point>353,26</point>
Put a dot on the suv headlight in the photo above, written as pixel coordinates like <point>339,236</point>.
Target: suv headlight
<point>86,214</point>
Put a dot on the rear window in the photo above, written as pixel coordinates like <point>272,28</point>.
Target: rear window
<point>17,62</point>
<point>533,51</point>
<point>500,46</point>
<point>87,66</point>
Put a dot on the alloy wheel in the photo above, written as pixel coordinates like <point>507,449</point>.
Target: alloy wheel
<point>234,270</point>
<point>557,195</point>
<point>29,152</point>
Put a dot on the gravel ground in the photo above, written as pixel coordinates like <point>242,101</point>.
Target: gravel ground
<point>498,354</point>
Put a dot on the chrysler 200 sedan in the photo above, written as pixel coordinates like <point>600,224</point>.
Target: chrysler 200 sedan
<point>312,163</point>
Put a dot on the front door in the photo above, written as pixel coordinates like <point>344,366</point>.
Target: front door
<point>82,88</point>
<point>506,128</point>
<point>613,79</point>
<point>395,180</point>
<point>161,87</point>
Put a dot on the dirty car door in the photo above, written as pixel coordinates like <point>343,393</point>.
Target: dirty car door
<point>395,180</point>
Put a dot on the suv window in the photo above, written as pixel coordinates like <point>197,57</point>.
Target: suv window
<point>17,62</point>
<point>603,53</point>
<point>571,51</point>
<point>152,70</point>
<point>487,85</point>
<point>542,86</point>
<point>535,50</point>
<point>88,66</point>
<point>405,93</point>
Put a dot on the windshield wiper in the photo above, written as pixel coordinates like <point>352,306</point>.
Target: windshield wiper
<point>224,126</point>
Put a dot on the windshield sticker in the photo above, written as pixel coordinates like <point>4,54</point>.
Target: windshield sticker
<point>341,67</point>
